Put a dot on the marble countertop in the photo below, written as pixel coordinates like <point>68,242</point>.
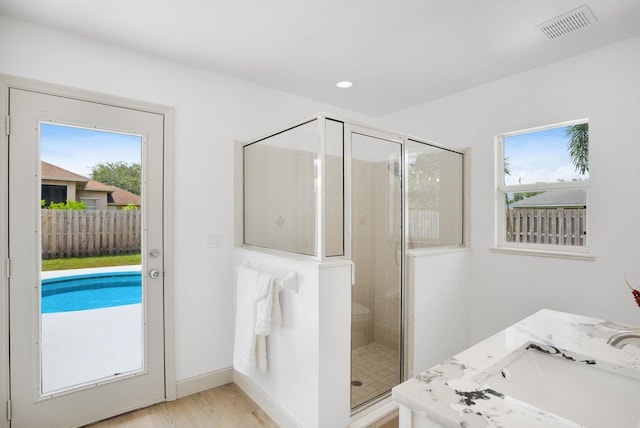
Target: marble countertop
<point>451,395</point>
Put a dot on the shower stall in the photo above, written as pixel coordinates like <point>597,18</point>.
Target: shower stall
<point>327,189</point>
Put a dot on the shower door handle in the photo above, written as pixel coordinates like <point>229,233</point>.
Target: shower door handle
<point>154,273</point>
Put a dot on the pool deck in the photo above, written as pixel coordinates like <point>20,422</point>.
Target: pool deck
<point>81,347</point>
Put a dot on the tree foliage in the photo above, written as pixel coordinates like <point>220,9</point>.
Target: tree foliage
<point>507,166</point>
<point>120,174</point>
<point>424,185</point>
<point>578,146</point>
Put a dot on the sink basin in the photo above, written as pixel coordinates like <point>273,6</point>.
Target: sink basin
<point>588,392</point>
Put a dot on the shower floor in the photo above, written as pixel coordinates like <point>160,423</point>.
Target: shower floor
<point>377,368</point>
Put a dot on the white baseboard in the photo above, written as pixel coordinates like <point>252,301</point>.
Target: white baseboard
<point>203,382</point>
<point>270,407</point>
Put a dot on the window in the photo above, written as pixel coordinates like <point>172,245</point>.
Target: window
<point>543,180</point>
<point>91,203</point>
<point>51,193</point>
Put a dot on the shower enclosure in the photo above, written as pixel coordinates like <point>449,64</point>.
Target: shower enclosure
<point>328,189</point>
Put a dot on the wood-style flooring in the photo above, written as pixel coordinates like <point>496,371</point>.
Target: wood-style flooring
<point>223,407</point>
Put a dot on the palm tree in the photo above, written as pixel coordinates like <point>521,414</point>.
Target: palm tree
<point>507,166</point>
<point>507,171</point>
<point>579,146</point>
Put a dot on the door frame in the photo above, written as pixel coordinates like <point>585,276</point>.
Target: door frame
<point>6,82</point>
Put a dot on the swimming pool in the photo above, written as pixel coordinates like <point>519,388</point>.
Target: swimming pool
<point>91,291</point>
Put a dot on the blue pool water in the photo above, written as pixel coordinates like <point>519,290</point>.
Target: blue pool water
<point>91,291</point>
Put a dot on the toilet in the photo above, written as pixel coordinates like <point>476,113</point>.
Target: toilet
<point>361,328</point>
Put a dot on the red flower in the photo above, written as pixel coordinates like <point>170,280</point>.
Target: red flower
<point>636,293</point>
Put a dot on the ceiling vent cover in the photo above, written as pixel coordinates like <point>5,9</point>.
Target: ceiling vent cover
<point>567,23</point>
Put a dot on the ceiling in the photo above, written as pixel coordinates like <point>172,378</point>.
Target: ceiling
<point>398,53</point>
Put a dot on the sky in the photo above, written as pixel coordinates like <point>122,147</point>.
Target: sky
<point>539,156</point>
<point>78,149</point>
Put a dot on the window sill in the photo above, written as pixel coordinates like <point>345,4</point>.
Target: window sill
<point>545,253</point>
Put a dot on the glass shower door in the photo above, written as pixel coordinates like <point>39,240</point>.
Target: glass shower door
<point>376,250</point>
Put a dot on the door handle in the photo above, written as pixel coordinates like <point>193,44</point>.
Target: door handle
<point>154,273</point>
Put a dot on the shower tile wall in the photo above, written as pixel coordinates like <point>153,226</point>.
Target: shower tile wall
<point>377,275</point>
<point>363,212</point>
<point>387,265</point>
<point>280,199</point>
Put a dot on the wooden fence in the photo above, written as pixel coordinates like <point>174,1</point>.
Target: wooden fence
<point>424,224</point>
<point>85,233</point>
<point>555,226</point>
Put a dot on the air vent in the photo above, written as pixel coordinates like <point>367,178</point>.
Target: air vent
<point>567,23</point>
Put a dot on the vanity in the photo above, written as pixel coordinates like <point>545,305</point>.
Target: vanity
<point>552,369</point>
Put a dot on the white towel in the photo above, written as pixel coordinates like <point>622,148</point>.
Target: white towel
<point>267,304</point>
<point>257,310</point>
<point>267,314</point>
<point>244,349</point>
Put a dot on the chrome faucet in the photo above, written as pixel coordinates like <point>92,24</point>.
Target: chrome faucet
<point>622,338</point>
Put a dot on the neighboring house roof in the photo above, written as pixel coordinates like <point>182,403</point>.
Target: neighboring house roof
<point>52,172</point>
<point>123,197</point>
<point>115,195</point>
<point>554,199</point>
<point>97,186</point>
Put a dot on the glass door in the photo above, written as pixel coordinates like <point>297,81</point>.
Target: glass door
<point>85,243</point>
<point>91,280</point>
<point>376,250</point>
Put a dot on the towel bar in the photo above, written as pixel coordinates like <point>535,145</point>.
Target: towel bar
<point>289,282</point>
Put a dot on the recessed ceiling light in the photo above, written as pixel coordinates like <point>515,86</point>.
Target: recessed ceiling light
<point>344,84</point>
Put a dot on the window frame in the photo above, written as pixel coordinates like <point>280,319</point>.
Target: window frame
<point>90,207</point>
<point>501,190</point>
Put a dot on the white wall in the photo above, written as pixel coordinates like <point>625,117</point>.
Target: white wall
<point>439,283</point>
<point>211,112</point>
<point>603,86</point>
<point>307,383</point>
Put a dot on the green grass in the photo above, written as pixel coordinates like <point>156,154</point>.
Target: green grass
<point>91,262</point>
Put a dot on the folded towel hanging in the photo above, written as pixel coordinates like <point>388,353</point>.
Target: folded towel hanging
<point>267,304</point>
<point>257,311</point>
<point>266,291</point>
